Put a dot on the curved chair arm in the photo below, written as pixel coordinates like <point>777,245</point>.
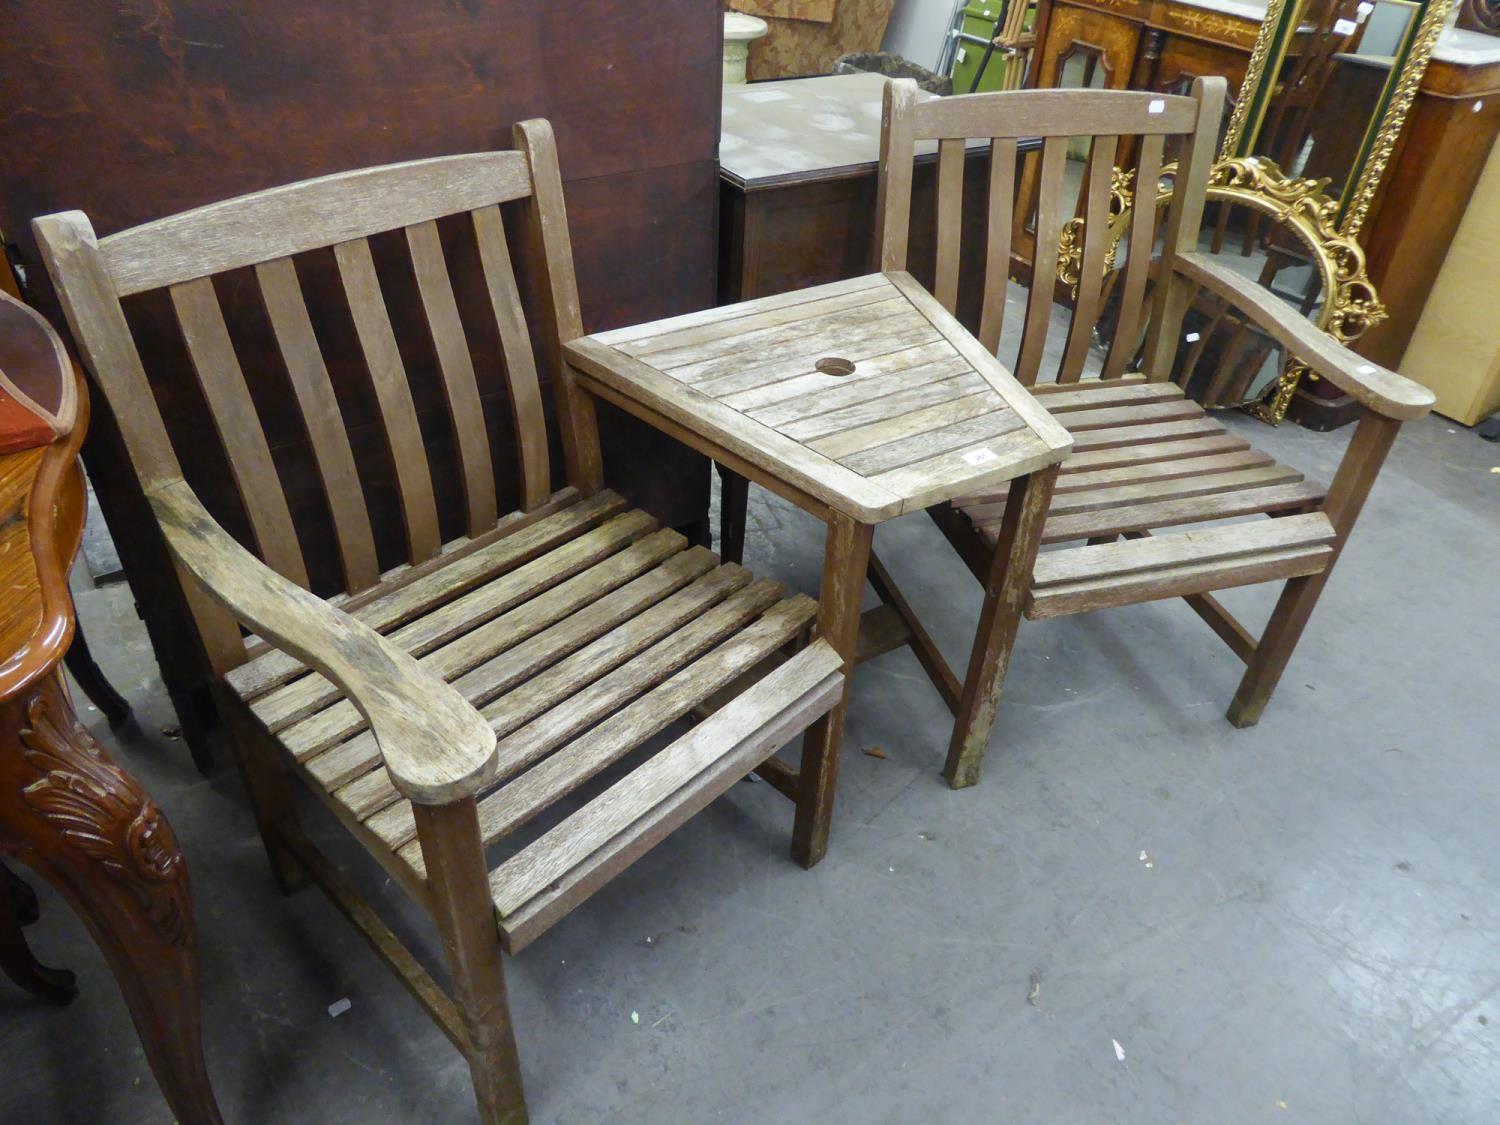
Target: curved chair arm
<point>1378,388</point>
<point>437,748</point>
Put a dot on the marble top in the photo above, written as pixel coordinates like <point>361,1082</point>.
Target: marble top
<point>1245,9</point>
<point>1467,48</point>
<point>804,126</point>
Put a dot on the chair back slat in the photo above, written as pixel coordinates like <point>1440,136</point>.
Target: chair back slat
<point>1030,207</point>
<point>1051,215</point>
<point>283,221</point>
<point>223,382</point>
<point>281,293</point>
<point>950,205</point>
<point>398,413</point>
<point>456,366</point>
<point>1180,231</point>
<point>1142,239</point>
<point>1096,239</point>
<point>447,288</point>
<point>997,241</point>
<point>520,364</point>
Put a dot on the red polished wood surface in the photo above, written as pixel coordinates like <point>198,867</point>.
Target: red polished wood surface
<point>66,810</point>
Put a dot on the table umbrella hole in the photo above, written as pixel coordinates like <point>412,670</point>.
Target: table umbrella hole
<point>835,365</point>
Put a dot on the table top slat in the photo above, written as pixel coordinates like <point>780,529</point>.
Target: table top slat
<point>866,395</point>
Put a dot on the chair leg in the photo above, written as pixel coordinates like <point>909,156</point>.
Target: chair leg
<point>734,499</point>
<point>999,621</point>
<point>1274,649</point>
<point>270,793</point>
<point>92,681</point>
<point>1346,497</point>
<point>453,852</point>
<point>845,558</point>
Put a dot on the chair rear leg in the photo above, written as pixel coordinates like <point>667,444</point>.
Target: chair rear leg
<point>270,793</point>
<point>462,906</point>
<point>999,620</point>
<point>1346,497</point>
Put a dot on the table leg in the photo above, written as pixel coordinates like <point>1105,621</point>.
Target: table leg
<point>734,499</point>
<point>18,908</point>
<point>845,557</point>
<point>87,827</point>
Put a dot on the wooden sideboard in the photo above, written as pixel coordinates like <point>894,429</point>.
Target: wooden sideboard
<point>798,171</point>
<point>1146,44</point>
<point>131,112</point>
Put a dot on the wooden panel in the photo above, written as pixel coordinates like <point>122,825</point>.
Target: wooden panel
<point>290,101</point>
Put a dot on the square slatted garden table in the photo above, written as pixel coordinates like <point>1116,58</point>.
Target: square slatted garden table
<point>858,401</point>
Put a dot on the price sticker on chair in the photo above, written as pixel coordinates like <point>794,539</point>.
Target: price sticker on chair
<point>1345,27</point>
<point>1157,105</point>
<point>980,456</point>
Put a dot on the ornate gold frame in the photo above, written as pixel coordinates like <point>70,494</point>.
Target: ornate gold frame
<point>1350,305</point>
<point>1340,232</point>
<point>1328,227</point>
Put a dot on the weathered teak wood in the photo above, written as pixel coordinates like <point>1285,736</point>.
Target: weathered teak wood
<point>858,401</point>
<point>477,685</point>
<point>872,409</point>
<point>1144,458</point>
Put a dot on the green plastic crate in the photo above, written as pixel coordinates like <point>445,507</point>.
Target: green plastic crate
<point>978,29</point>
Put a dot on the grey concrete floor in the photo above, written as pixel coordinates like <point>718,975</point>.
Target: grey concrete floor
<point>1139,915</point>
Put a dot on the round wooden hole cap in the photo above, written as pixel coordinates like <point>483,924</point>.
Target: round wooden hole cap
<point>835,365</point>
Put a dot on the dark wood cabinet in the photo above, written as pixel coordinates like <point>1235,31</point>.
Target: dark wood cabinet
<point>129,112</point>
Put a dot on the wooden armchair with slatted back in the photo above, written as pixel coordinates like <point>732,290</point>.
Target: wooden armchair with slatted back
<point>1145,458</point>
<point>454,702</point>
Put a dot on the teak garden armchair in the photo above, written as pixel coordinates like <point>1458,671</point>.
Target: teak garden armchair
<point>439,706</point>
<point>1145,458</point>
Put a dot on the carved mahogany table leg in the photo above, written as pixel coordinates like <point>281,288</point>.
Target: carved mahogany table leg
<point>18,908</point>
<point>87,827</point>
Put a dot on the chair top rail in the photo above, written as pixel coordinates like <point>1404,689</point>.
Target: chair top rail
<point>325,211</point>
<point>1054,113</point>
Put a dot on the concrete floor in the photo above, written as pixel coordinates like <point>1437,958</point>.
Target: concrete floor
<point>1140,914</point>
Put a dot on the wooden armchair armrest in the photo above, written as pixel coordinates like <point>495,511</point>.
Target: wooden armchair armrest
<point>437,748</point>
<point>1378,388</point>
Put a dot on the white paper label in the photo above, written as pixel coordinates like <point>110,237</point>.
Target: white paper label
<point>1191,337</point>
<point>1158,105</point>
<point>1362,13</point>
<point>1345,27</point>
<point>979,456</point>
<point>1367,369</point>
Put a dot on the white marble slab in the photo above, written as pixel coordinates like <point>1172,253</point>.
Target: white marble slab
<point>803,127</point>
<point>1245,9</point>
<point>1467,48</point>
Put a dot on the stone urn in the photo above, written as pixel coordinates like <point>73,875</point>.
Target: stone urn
<point>740,31</point>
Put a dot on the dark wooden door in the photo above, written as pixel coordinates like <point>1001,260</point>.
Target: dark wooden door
<point>135,110</point>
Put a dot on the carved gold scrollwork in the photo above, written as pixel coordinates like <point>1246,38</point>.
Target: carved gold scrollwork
<point>1070,244</point>
<point>1350,304</point>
